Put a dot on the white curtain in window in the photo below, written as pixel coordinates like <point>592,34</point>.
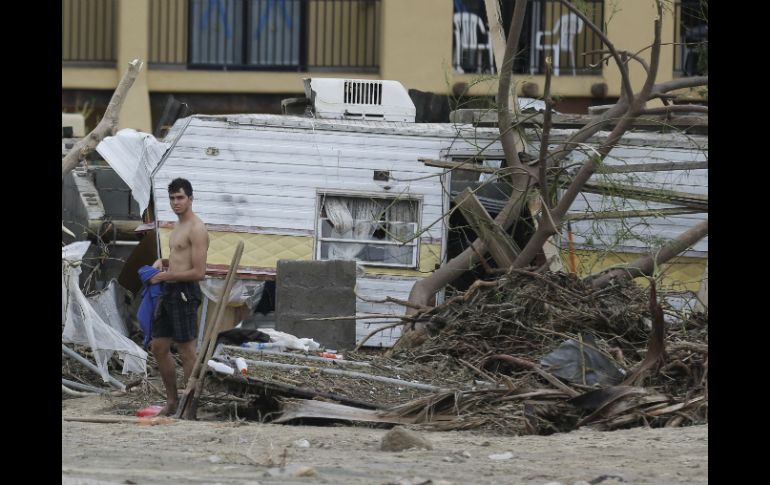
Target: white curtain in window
<point>402,211</point>
<point>352,219</point>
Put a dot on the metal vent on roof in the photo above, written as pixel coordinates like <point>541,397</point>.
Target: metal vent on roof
<point>359,99</point>
<point>357,92</point>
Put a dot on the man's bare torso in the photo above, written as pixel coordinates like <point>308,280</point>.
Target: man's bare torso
<point>180,256</point>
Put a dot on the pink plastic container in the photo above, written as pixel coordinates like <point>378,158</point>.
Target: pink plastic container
<point>149,411</point>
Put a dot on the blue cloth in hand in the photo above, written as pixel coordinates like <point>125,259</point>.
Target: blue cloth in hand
<point>150,294</point>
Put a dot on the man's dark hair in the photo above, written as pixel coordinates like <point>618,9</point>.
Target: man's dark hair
<point>180,184</point>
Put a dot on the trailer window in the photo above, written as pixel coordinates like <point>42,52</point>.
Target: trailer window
<point>376,231</point>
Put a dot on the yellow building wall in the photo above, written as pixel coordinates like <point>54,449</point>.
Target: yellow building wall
<point>680,274</point>
<point>264,251</point>
<point>631,28</point>
<point>414,48</point>
<point>133,42</point>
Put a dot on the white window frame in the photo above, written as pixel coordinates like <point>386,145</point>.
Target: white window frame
<point>414,243</point>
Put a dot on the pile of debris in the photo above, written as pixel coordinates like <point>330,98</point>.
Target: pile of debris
<point>560,355</point>
<point>526,353</point>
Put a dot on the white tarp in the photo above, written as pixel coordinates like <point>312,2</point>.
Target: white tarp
<point>133,155</point>
<point>84,326</point>
<point>106,305</point>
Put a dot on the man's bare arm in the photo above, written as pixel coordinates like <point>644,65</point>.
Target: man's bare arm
<point>199,241</point>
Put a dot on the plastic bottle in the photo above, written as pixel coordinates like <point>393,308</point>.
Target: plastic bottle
<point>240,363</point>
<point>263,345</point>
<point>220,367</point>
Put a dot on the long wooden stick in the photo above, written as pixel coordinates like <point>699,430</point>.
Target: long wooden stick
<point>188,403</point>
<point>122,419</point>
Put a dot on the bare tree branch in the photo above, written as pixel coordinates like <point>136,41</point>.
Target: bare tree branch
<point>546,134</point>
<point>624,113</point>
<point>630,55</point>
<point>108,124</point>
<point>625,79</point>
<point>683,82</point>
<point>545,230</point>
<point>504,86</point>
<point>424,289</point>
<point>644,266</point>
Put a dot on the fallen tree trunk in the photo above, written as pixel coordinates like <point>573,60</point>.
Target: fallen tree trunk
<point>108,124</point>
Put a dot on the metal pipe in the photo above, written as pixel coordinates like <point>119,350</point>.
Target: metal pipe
<point>82,387</point>
<point>294,355</point>
<point>111,380</point>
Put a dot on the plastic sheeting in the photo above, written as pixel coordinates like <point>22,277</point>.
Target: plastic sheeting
<point>289,341</point>
<point>240,293</point>
<point>582,363</point>
<point>106,305</point>
<point>134,155</point>
<point>84,326</point>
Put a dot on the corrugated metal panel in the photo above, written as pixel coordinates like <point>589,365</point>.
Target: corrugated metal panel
<point>642,234</point>
<point>377,288</point>
<point>267,177</point>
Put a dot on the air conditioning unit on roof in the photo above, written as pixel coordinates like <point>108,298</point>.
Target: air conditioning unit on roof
<point>363,99</point>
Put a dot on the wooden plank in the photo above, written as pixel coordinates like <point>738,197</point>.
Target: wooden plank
<point>148,421</point>
<point>498,242</point>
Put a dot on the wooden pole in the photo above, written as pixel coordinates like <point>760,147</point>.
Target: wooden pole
<point>188,404</point>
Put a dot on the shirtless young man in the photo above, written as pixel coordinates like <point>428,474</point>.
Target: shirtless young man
<point>176,313</point>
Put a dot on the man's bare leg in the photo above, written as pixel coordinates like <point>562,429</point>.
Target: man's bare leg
<point>188,355</point>
<point>161,349</point>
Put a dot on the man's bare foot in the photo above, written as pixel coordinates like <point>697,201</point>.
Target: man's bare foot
<point>168,410</point>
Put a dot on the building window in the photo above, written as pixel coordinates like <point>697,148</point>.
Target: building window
<point>88,29</point>
<point>279,35</point>
<point>219,28</point>
<point>691,32</point>
<point>375,231</point>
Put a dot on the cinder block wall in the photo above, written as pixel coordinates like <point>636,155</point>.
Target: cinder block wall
<point>317,289</point>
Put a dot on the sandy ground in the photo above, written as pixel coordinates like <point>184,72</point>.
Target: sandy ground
<point>240,452</point>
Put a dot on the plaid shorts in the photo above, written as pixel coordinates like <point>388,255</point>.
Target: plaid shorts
<point>176,314</point>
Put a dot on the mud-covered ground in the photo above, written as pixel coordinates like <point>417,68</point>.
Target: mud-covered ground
<point>247,452</point>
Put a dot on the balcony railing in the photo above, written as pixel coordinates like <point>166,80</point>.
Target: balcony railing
<point>549,29</point>
<point>88,32</point>
<point>290,35</point>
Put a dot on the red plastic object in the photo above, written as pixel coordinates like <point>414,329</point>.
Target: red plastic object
<point>330,355</point>
<point>149,411</point>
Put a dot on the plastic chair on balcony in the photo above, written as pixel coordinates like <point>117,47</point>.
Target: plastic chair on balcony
<point>566,28</point>
<point>467,26</point>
